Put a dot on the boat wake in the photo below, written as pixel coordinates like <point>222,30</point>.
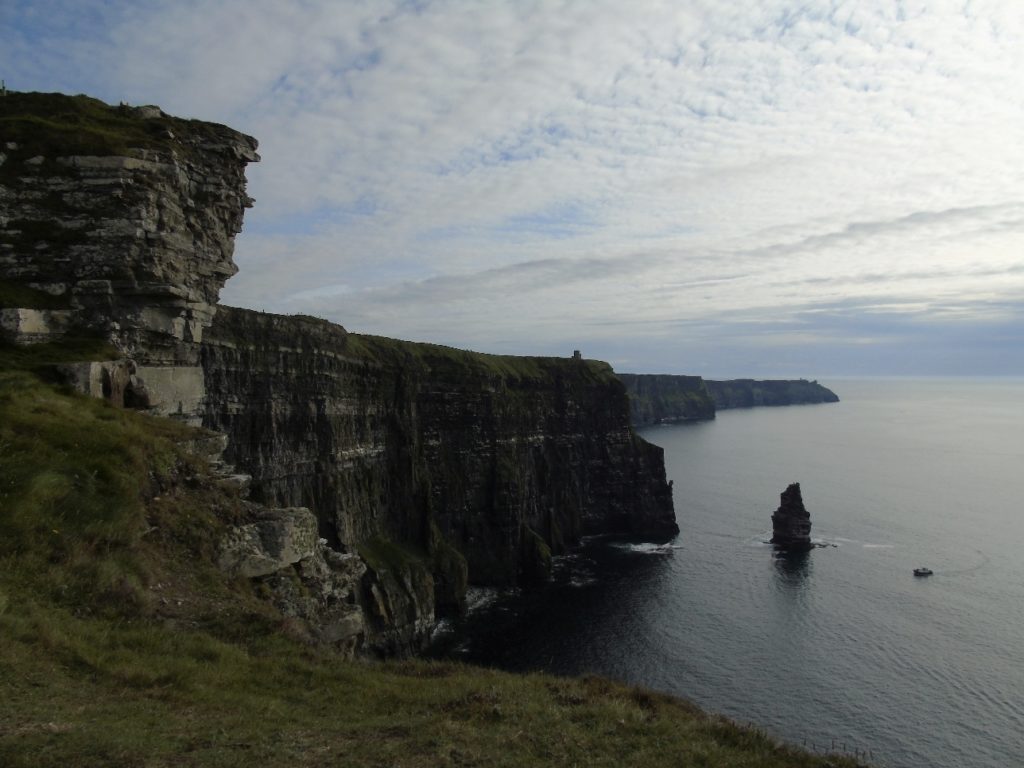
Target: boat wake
<point>983,561</point>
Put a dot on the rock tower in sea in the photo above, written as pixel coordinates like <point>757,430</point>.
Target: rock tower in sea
<point>791,522</point>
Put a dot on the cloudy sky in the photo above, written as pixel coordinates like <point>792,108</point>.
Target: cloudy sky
<point>725,187</point>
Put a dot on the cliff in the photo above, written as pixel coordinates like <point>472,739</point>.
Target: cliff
<point>663,398</point>
<point>123,220</point>
<point>747,393</point>
<point>384,475</point>
<point>480,466</point>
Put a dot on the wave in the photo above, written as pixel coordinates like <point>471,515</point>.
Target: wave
<point>480,597</point>
<point>648,548</point>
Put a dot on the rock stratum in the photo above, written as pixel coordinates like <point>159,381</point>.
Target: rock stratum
<point>383,476</point>
<point>665,398</point>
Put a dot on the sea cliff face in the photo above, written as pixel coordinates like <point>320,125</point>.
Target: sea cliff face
<point>506,459</point>
<point>665,399</point>
<point>384,476</point>
<point>748,393</point>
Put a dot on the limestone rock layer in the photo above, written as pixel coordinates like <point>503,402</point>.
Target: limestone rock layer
<point>125,217</point>
<point>394,439</point>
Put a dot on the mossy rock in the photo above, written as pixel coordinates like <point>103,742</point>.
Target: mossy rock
<point>15,295</point>
<point>384,555</point>
<point>535,557</point>
<point>440,359</point>
<point>451,575</point>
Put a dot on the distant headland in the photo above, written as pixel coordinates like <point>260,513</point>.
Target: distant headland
<point>663,398</point>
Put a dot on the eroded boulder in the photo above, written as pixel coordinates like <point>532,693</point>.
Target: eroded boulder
<point>278,539</point>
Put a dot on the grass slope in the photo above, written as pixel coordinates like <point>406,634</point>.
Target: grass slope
<point>55,124</point>
<point>121,644</point>
<point>439,358</point>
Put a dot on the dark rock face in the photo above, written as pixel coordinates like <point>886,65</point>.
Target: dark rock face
<point>748,393</point>
<point>395,439</point>
<point>485,465</point>
<point>665,399</point>
<point>791,522</point>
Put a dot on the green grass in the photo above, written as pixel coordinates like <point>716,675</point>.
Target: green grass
<point>74,476</point>
<point>121,644</point>
<point>436,357</point>
<point>68,349</point>
<point>13,294</point>
<point>48,123</point>
<point>57,125</point>
<point>205,703</point>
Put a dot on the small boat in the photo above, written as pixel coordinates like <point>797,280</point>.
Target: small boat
<point>922,571</point>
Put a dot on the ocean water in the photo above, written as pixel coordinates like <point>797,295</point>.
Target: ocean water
<point>842,646</point>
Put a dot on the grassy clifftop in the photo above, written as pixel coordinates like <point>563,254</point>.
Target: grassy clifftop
<point>438,357</point>
<point>45,123</point>
<point>121,643</point>
<point>235,326</point>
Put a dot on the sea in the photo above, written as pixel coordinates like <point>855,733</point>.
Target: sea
<point>840,649</point>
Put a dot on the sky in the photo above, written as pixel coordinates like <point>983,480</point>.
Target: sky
<point>768,188</point>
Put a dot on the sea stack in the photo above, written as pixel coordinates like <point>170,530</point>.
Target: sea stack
<point>791,522</point>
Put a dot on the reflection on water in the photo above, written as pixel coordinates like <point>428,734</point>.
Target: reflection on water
<point>577,623</point>
<point>792,569</point>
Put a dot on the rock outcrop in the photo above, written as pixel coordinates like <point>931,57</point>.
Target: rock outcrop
<point>791,522</point>
<point>126,218</point>
<point>279,538</point>
<point>384,476</point>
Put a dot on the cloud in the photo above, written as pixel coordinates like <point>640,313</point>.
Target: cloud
<point>481,173</point>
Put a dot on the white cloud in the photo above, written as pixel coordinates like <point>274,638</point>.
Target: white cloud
<point>481,172</point>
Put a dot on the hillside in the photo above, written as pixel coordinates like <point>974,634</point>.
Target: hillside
<point>124,644</point>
